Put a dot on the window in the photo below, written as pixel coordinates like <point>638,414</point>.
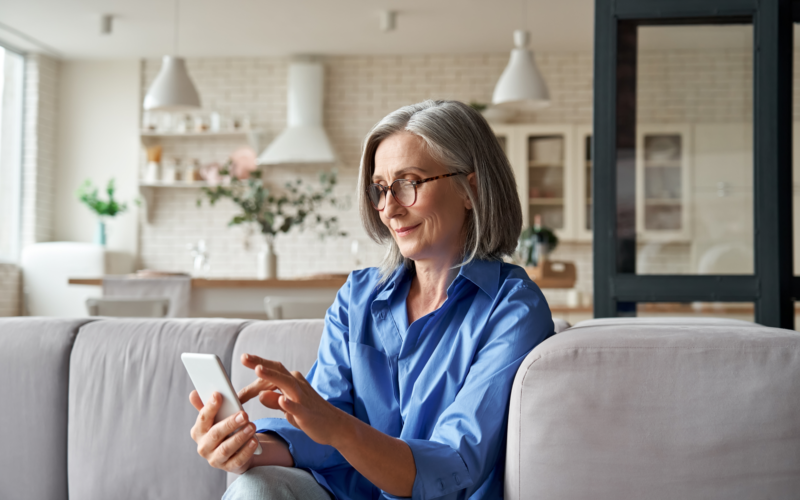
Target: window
<point>12,67</point>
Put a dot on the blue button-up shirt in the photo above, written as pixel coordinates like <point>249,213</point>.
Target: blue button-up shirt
<point>441,384</point>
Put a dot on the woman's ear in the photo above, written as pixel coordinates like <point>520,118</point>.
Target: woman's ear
<point>473,185</point>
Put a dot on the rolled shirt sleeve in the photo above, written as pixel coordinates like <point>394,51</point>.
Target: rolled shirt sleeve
<point>470,434</point>
<point>331,377</point>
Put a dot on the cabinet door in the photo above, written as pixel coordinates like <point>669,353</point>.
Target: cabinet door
<point>663,182</point>
<point>509,138</point>
<point>548,179</point>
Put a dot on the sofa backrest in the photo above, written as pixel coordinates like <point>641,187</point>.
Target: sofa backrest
<point>34,370</point>
<point>129,411</point>
<point>657,409</point>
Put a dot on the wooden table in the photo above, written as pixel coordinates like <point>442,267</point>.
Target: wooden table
<point>244,298</point>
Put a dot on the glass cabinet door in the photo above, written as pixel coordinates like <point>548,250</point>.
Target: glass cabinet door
<point>546,193</point>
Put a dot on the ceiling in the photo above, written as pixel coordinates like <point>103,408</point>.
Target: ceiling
<point>70,29</point>
<point>244,28</point>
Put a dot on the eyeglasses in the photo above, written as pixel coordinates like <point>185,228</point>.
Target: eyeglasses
<point>403,190</point>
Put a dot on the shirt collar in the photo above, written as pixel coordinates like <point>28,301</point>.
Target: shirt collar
<point>485,274</point>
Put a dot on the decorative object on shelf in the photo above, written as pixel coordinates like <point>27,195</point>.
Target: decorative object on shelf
<point>535,243</point>
<point>521,85</point>
<point>191,173</point>
<point>274,211</point>
<point>172,89</point>
<point>152,170</point>
<point>87,194</point>
<point>214,122</point>
<point>169,172</point>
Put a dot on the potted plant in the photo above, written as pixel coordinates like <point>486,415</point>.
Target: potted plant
<point>275,211</point>
<point>88,194</point>
<point>535,243</point>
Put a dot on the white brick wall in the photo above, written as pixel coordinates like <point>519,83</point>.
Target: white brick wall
<point>39,158</point>
<point>674,87</point>
<point>39,151</point>
<point>10,289</point>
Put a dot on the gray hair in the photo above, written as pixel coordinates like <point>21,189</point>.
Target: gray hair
<point>459,138</point>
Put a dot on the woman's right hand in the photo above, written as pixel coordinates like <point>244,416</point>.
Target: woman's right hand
<point>232,454</point>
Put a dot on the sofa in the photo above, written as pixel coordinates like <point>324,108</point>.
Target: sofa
<point>97,408</point>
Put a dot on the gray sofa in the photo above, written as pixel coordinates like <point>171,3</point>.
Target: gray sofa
<point>98,408</point>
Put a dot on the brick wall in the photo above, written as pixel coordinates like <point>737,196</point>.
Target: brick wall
<point>38,165</point>
<point>39,150</point>
<point>675,87</point>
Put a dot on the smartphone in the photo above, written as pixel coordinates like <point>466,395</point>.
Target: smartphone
<point>208,376</point>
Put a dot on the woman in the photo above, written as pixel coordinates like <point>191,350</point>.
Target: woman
<point>409,394</point>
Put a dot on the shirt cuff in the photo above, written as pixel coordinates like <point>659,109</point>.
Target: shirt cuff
<point>440,470</point>
<point>307,453</point>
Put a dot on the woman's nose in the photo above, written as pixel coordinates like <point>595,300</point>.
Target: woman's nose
<point>392,208</point>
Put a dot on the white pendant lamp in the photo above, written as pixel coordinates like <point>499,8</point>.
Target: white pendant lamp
<point>521,85</point>
<point>172,89</point>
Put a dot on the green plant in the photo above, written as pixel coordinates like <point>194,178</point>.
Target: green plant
<point>478,106</point>
<point>275,211</point>
<point>88,194</point>
<point>535,241</point>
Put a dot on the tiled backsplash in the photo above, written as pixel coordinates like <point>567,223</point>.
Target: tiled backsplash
<point>360,90</point>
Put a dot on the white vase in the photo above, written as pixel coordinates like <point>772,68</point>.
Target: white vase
<point>267,261</point>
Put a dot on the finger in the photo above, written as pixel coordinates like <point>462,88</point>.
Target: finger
<point>205,418</point>
<point>287,405</point>
<point>219,433</point>
<point>194,398</point>
<point>241,457</point>
<point>231,445</point>
<point>285,382</point>
<point>252,361</point>
<point>270,399</point>
<point>255,387</point>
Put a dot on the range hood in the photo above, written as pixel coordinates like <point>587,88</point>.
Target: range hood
<point>304,140</point>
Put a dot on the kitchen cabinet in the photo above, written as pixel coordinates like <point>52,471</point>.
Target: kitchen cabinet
<point>542,157</point>
<point>663,183</point>
<point>553,168</point>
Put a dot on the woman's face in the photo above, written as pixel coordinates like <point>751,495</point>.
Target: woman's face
<point>432,227</point>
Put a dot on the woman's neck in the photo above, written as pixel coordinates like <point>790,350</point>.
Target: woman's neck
<point>429,287</point>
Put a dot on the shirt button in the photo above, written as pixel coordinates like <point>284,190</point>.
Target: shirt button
<point>441,485</point>
<point>458,479</point>
<point>381,315</point>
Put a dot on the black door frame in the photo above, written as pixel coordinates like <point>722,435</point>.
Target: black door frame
<point>772,287</point>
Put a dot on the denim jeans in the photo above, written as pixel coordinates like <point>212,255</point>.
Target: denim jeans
<point>276,483</point>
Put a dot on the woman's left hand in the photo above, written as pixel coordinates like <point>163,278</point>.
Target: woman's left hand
<point>303,406</point>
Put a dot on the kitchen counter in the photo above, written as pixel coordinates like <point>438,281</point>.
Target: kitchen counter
<point>243,297</point>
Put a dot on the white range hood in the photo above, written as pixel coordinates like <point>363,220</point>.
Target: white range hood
<point>304,140</point>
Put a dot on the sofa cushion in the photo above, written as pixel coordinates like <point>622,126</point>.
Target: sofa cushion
<point>34,370</point>
<point>129,411</point>
<point>638,409</point>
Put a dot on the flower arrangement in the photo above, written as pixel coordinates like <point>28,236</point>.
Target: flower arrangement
<point>271,210</point>
<point>88,195</point>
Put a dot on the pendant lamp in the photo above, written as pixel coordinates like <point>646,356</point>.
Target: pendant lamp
<point>521,85</point>
<point>172,89</point>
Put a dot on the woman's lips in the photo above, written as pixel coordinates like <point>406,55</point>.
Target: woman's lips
<point>404,231</point>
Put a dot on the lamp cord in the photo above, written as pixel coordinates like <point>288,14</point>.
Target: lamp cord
<point>177,28</point>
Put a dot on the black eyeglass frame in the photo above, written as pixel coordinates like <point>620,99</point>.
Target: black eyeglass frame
<point>385,189</point>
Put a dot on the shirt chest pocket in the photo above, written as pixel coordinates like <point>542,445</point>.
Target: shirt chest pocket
<point>374,379</point>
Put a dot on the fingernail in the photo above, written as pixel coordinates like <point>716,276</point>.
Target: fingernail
<point>250,429</point>
<point>240,418</point>
<point>252,443</point>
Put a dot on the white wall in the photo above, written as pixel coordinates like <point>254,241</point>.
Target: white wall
<point>97,138</point>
